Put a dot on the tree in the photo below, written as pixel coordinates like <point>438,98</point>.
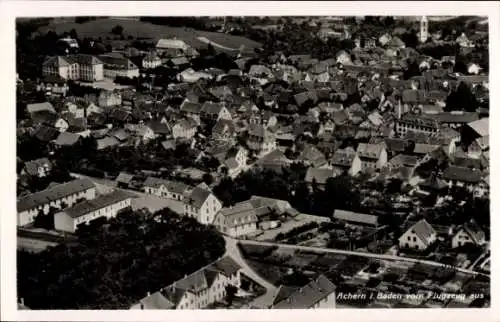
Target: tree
<point>117,30</point>
<point>208,178</point>
<point>230,294</point>
<point>73,34</point>
<point>461,99</point>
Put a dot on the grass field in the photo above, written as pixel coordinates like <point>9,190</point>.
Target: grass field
<point>139,29</point>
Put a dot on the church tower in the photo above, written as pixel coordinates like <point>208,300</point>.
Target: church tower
<point>424,29</point>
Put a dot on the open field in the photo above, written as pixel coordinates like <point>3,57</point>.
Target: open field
<point>139,29</point>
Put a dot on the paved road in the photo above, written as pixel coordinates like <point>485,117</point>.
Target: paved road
<point>233,251</point>
<point>371,255</point>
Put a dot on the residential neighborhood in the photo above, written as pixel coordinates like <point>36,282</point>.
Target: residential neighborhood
<point>252,162</point>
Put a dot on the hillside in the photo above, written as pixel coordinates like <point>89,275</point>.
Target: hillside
<point>140,29</point>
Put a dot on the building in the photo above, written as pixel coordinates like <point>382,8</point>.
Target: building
<point>118,66</point>
<point>355,218</point>
<point>319,176</point>
<point>419,237</point>
<point>107,205</point>
<point>372,156</point>
<point>184,129</point>
<point>469,233</point>
<point>74,67</point>
<point>202,204</point>
<point>67,193</point>
<point>109,99</point>
<point>424,29</point>
<point>238,220</point>
<point>37,168</point>
<point>347,160</point>
<point>196,290</point>
<point>165,188</point>
<point>419,124</point>
<point>468,178</point>
<point>317,294</point>
<point>151,60</point>
<point>260,139</point>
<point>174,48</point>
<point>215,111</point>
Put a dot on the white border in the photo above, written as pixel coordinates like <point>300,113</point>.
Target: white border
<point>10,10</point>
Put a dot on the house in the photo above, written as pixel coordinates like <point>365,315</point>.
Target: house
<point>356,218</point>
<point>165,188</point>
<point>419,236</point>
<point>317,294</point>
<point>74,67</point>
<point>473,69</point>
<point>224,130</point>
<point>236,161</point>
<point>190,76</point>
<point>107,206</point>
<point>470,179</point>
<point>310,155</point>
<point>319,176</point>
<point>37,168</point>
<point>260,139</point>
<point>123,180</point>
<point>45,133</point>
<point>184,129</point>
<point>118,66</point>
<point>402,160</point>
<point>215,111</point>
<point>463,41</point>
<point>141,131</point>
<point>66,193</point>
<point>107,142</point>
<point>475,129</point>
<point>343,58</point>
<point>61,124</point>
<point>456,119</point>
<point>196,290</point>
<point>189,108</point>
<point>419,124</point>
<point>67,139</point>
<point>179,63</point>
<point>469,233</point>
<point>109,99</point>
<point>372,156</point>
<point>202,204</point>
<point>347,160</point>
<point>40,107</point>
<point>174,48</point>
<point>238,220</point>
<point>151,60</point>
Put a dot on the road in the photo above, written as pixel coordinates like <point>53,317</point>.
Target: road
<point>355,253</point>
<point>233,251</point>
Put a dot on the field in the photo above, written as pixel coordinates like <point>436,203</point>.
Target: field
<point>139,29</point>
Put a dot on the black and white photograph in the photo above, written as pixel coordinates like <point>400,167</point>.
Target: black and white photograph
<point>220,162</point>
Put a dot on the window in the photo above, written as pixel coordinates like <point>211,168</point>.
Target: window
<point>409,238</point>
<point>414,238</point>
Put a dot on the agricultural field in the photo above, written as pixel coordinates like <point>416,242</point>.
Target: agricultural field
<point>148,31</point>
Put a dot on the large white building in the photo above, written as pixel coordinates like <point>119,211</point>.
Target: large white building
<point>68,193</point>
<point>118,66</point>
<point>74,67</point>
<point>175,48</point>
<point>197,290</point>
<point>84,212</point>
<point>419,236</point>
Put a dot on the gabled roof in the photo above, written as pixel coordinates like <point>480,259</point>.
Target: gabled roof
<point>31,167</point>
<point>307,296</point>
<point>197,197</point>
<point>124,177</point>
<point>38,107</point>
<point>45,133</point>
<point>474,231</point>
<point>191,107</point>
<point>312,154</point>
<point>319,175</point>
<point>462,174</point>
<point>481,126</point>
<point>369,151</point>
<point>212,108</point>
<point>57,192</point>
<point>100,202</point>
<point>356,217</point>
<point>424,231</point>
<point>67,139</point>
<point>172,186</point>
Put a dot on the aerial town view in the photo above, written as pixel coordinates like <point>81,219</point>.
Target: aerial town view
<point>274,162</point>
